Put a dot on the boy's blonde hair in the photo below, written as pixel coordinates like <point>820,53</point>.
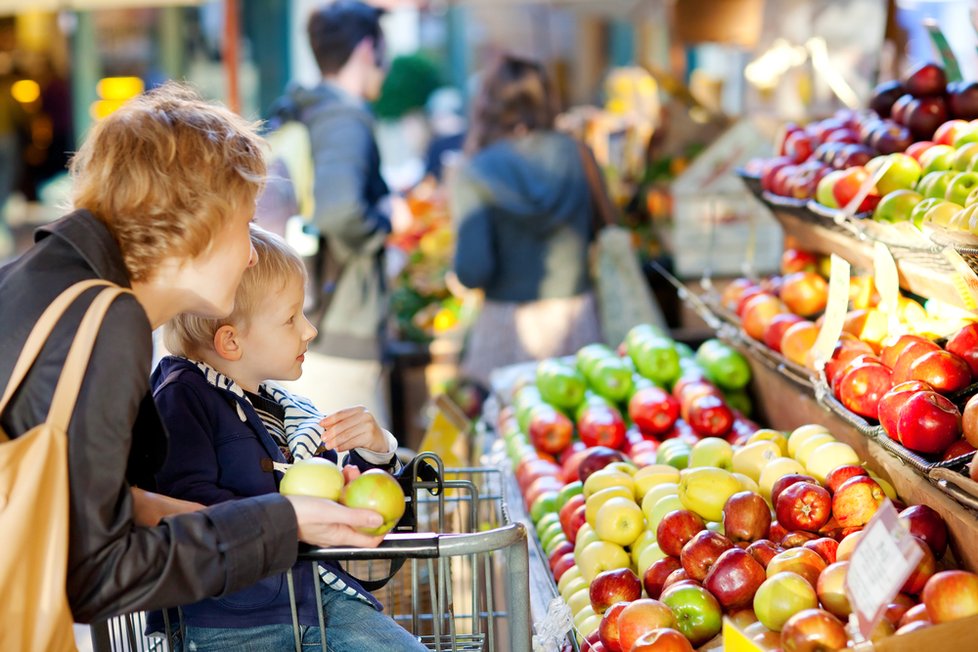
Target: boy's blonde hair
<point>165,173</point>
<point>278,265</point>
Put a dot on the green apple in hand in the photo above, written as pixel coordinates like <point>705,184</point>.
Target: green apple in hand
<point>313,477</point>
<point>897,206</point>
<point>377,491</point>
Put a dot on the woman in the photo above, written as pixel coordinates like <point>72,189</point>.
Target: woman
<point>525,221</point>
<point>164,190</point>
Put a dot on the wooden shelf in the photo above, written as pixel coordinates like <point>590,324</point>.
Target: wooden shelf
<point>924,273</point>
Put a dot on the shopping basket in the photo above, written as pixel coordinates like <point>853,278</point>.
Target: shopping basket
<point>463,586</point>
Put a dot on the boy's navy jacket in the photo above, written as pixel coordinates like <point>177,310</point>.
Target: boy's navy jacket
<point>215,456</point>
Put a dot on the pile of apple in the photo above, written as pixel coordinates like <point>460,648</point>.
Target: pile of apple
<point>761,531</point>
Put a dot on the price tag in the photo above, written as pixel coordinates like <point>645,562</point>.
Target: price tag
<point>951,68</point>
<point>835,312</point>
<point>881,562</point>
<point>865,188</point>
<point>965,281</point>
<point>735,640</point>
<point>887,282</point>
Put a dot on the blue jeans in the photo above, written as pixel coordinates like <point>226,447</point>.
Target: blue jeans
<point>351,626</point>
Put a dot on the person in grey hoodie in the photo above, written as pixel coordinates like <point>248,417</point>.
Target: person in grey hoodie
<point>353,206</point>
<point>525,220</point>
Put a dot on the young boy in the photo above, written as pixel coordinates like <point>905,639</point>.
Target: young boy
<point>227,421</point>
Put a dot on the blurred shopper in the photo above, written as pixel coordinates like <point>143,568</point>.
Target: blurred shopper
<point>525,221</point>
<point>164,192</point>
<point>226,369</point>
<point>11,116</point>
<point>354,209</point>
<point>447,120</point>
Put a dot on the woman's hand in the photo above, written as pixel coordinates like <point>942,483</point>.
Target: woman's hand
<point>149,508</point>
<point>324,523</point>
<point>353,428</point>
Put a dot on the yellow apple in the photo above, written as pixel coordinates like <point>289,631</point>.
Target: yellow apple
<point>828,457</point>
<point>711,451</point>
<point>780,597</point>
<point>619,521</point>
<point>606,478</point>
<point>585,535</point>
<point>579,600</point>
<point>662,507</point>
<point>648,556</point>
<point>624,467</point>
<point>657,492</point>
<point>645,538</point>
<point>653,475</point>
<point>572,586</point>
<point>595,501</point>
<point>750,459</point>
<point>589,625</point>
<point>569,575</point>
<point>774,470</point>
<point>705,491</point>
<point>746,483</point>
<point>767,434</point>
<point>884,485</point>
<point>584,614</point>
<point>600,556</point>
<point>313,477</point>
<point>813,442</point>
<point>801,433</point>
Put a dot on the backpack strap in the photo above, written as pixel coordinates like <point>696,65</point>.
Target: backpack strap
<point>604,210</point>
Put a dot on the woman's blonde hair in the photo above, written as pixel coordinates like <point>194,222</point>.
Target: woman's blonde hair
<point>165,172</point>
<point>278,265</point>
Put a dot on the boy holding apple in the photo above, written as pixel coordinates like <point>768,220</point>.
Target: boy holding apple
<point>229,422</point>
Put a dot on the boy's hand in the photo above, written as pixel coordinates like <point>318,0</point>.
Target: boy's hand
<point>353,428</point>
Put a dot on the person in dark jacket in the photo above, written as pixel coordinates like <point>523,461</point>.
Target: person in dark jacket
<point>524,217</point>
<point>164,190</point>
<point>226,416</point>
<point>354,209</point>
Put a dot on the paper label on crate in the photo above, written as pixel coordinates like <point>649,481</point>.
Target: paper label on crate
<point>881,562</point>
<point>966,281</point>
<point>866,187</point>
<point>835,311</point>
<point>887,281</point>
<point>735,640</point>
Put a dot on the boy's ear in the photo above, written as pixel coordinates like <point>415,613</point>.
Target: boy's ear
<point>226,343</point>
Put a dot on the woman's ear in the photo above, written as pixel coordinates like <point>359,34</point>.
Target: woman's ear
<point>227,344</point>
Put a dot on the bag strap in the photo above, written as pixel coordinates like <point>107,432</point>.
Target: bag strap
<point>604,210</point>
<point>42,331</point>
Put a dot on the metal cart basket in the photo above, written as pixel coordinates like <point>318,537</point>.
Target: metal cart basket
<point>464,581</point>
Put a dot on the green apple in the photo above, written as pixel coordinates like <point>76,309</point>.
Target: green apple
<point>378,491</point>
<point>966,135</point>
<point>903,172</point>
<point>546,502</point>
<point>315,477</point>
<point>611,378</point>
<point>568,491</point>
<point>585,535</point>
<point>897,206</point>
<point>780,597</point>
<point>934,184</point>
<point>960,187</point>
<point>964,157</point>
<point>548,534</point>
<point>937,158</point>
<point>560,384</point>
<point>824,194</point>
<point>941,213</point>
<point>589,355</point>
<point>575,584</point>
<point>972,198</point>
<point>918,212</point>
<point>662,507</point>
<point>646,538</point>
<point>569,575</point>
<point>656,358</point>
<point>699,616</point>
<point>653,495</point>
<point>711,451</point>
<point>674,452</point>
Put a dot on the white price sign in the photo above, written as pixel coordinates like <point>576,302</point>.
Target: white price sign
<point>881,562</point>
<point>835,312</point>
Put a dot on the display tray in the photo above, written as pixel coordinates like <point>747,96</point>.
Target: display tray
<point>963,242</point>
<point>752,181</point>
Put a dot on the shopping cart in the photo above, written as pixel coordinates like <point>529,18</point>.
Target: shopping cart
<point>464,581</point>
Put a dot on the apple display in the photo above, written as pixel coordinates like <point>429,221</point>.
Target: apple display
<point>676,529</point>
<point>928,422</point>
<point>803,506</point>
<point>813,630</point>
<point>734,578</point>
<point>641,616</point>
<point>654,578</point>
<point>764,550</point>
<point>698,614</point>
<point>746,517</point>
<point>701,552</point>
<point>611,586</point>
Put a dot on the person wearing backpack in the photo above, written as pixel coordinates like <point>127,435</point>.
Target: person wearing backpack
<point>352,207</point>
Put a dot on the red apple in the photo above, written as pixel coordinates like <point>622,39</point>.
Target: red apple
<point>611,586</point>
<point>758,312</point>
<point>891,352</point>
<point>893,400</point>
<point>813,630</point>
<point>861,388</point>
<point>915,614</point>
<point>608,629</point>
<point>807,563</point>
<point>928,423</point>
<point>964,343</point>
<point>826,548</point>
<point>710,416</point>
<point>775,330</point>
<point>846,350</point>
<point>641,616</point>
<point>959,448</point>
<point>786,481</point>
<point>803,506</point>
<point>763,550</point>
<point>840,474</point>
<point>798,260</point>
<point>675,577</point>
<point>831,589</point>
<point>567,516</point>
<point>563,564</point>
<point>901,604</point>
<point>732,293</point>
<point>950,595</point>
<point>925,568</point>
<point>596,459</point>
<point>663,639</point>
<point>927,525</point>
<point>797,538</point>
<point>559,551</point>
<point>909,355</point>
<point>653,410</point>
<point>550,430</point>
<point>805,293</point>
<point>777,532</point>
<point>746,517</point>
<point>701,552</point>
<point>676,528</point>
<point>601,425</point>
<point>655,575</point>
<point>944,371</point>
<point>734,579</point>
<point>856,501</point>
<point>571,464</point>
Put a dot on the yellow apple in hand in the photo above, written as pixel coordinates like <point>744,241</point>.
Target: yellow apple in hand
<point>314,477</point>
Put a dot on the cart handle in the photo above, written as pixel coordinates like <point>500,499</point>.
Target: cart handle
<point>423,545</point>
